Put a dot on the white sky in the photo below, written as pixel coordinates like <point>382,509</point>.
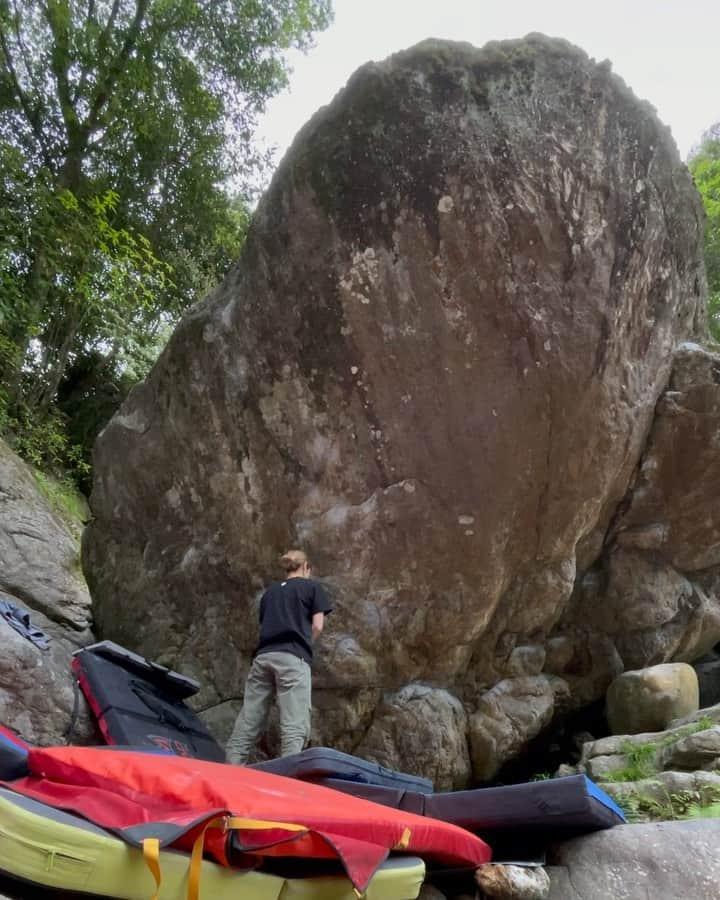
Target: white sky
<point>666,50</point>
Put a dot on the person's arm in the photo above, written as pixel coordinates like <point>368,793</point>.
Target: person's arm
<point>320,607</point>
<point>318,621</point>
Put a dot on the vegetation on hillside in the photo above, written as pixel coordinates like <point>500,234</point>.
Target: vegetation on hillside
<point>705,167</point>
<point>122,123</point>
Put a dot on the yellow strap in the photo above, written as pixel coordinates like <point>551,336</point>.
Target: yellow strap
<point>196,858</point>
<point>404,841</point>
<point>235,824</point>
<point>226,823</point>
<point>151,854</point>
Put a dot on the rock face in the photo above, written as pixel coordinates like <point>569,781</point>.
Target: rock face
<point>39,558</point>
<point>663,860</point>
<point>654,592</point>
<point>435,367</point>
<point>650,699</point>
<point>40,570</point>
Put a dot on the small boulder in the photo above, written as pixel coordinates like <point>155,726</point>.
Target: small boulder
<point>513,882</point>
<point>649,699</point>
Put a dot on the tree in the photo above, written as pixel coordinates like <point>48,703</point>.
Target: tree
<point>705,168</point>
<point>121,122</point>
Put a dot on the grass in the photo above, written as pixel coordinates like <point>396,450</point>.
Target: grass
<point>641,759</point>
<point>63,497</point>
<point>640,762</point>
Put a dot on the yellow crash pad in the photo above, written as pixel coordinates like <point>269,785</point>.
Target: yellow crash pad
<point>49,847</point>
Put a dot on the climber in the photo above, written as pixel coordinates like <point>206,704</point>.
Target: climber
<point>292,615</point>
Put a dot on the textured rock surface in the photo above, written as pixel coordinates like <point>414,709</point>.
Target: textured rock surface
<point>421,729</point>
<point>436,370</point>
<point>700,750</point>
<point>654,592</point>
<point>39,554</point>
<point>650,699</point>
<point>509,715</point>
<point>663,860</point>
<point>40,568</point>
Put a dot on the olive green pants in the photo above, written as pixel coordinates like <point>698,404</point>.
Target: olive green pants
<point>273,674</point>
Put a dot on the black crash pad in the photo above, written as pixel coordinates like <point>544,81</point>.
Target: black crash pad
<point>322,762</point>
<point>139,704</point>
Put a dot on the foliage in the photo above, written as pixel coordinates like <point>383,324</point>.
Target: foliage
<point>705,168</point>
<point>641,759</point>
<point>662,805</point>
<point>121,124</point>
<point>639,762</point>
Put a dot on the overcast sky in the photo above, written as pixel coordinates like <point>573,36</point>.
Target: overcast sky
<point>666,50</point>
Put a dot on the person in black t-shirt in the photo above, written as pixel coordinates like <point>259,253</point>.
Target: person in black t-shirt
<point>292,615</point>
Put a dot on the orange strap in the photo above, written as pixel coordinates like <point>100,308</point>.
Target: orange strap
<point>151,855</point>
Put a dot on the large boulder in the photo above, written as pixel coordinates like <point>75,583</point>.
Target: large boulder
<point>40,573</point>
<point>435,367</point>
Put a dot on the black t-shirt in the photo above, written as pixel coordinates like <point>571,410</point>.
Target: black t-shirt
<point>286,612</point>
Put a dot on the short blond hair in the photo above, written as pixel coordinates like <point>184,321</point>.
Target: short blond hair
<point>292,560</point>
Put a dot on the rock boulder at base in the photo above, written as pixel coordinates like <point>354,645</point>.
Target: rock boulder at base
<point>500,882</point>
<point>663,860</point>
<point>649,699</point>
<point>421,730</point>
<point>435,367</point>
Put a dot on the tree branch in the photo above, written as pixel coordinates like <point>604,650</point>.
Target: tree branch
<point>82,81</point>
<point>105,36</point>
<point>30,114</point>
<point>60,64</point>
<point>116,65</point>
<point>23,51</point>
